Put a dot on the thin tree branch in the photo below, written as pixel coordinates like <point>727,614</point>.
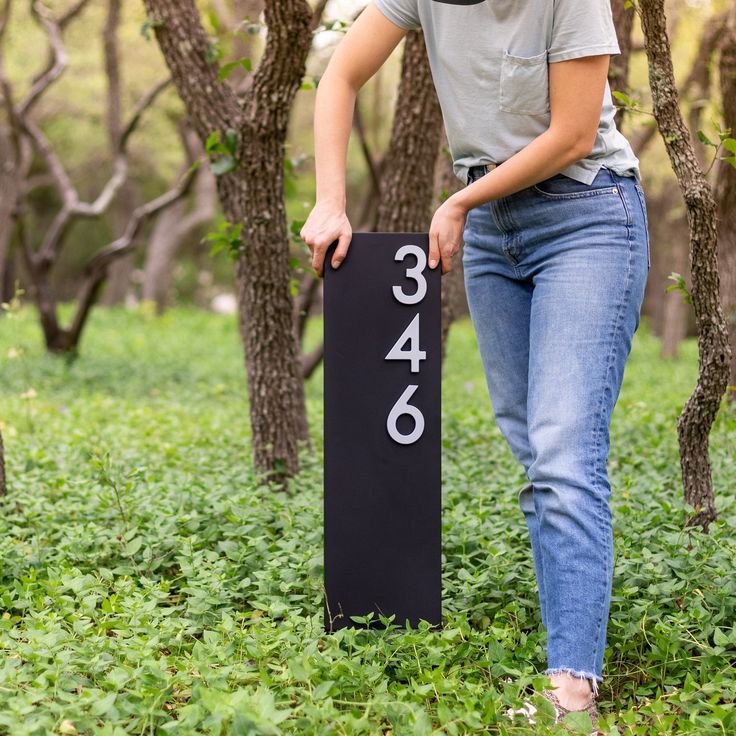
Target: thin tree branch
<point>370,161</point>
<point>96,269</point>
<point>72,13</point>
<point>71,204</point>
<point>317,13</point>
<point>4,17</point>
<point>57,57</point>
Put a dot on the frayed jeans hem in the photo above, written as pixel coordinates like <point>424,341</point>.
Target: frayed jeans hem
<point>582,674</point>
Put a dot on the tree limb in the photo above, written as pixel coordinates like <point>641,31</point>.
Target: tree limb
<point>58,58</point>
<point>700,411</point>
<point>96,269</point>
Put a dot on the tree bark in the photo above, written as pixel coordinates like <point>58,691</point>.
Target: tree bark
<point>8,199</point>
<point>695,422</point>
<point>618,71</point>
<point>407,177</point>
<point>252,194</point>
<point>454,302</point>
<point>118,279</point>
<point>8,166</point>
<point>726,195</point>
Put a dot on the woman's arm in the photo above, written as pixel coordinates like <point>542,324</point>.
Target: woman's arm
<point>575,98</point>
<point>366,45</point>
<point>576,89</point>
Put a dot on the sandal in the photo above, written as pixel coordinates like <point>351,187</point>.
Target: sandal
<point>528,710</point>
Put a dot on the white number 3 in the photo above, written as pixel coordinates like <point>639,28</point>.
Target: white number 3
<point>415,272</point>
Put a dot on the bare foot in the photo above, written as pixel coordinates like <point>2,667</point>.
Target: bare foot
<point>572,692</point>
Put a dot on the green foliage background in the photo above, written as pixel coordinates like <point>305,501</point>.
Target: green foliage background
<point>149,584</point>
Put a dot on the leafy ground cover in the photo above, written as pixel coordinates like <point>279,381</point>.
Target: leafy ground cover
<point>150,584</point>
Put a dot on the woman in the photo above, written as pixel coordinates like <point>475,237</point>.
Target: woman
<point>556,257</point>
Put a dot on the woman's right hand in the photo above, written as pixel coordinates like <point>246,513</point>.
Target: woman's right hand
<point>327,222</point>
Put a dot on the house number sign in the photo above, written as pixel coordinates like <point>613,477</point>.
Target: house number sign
<point>382,494</point>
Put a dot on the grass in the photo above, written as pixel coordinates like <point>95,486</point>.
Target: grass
<point>151,585</point>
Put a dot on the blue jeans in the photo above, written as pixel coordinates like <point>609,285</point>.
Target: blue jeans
<point>555,277</point>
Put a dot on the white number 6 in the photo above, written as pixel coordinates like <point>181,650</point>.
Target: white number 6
<point>415,272</point>
<point>403,407</point>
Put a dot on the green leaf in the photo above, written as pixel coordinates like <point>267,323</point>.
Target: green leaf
<point>148,23</point>
<point>214,51</point>
<point>231,140</point>
<point>579,722</point>
<point>323,689</point>
<point>213,140</point>
<point>227,69</point>
<point>214,21</point>
<point>223,165</point>
<point>720,638</point>
<point>134,545</point>
<point>226,237</point>
<point>704,139</point>
<point>103,705</point>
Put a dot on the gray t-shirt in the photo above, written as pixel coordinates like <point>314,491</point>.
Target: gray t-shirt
<point>489,60</point>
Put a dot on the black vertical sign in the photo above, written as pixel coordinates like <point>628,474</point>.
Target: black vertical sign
<point>382,367</point>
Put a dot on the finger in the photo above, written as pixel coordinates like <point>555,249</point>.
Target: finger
<point>434,249</point>
<point>318,259</point>
<point>342,249</point>
<point>446,261</point>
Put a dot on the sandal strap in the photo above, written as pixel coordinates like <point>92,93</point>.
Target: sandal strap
<point>589,707</point>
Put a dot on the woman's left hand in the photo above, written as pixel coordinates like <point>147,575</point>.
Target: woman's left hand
<point>446,233</point>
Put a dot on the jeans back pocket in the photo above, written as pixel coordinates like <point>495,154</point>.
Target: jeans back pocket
<point>561,186</point>
<point>524,87</point>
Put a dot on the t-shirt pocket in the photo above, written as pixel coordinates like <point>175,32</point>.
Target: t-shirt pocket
<point>524,87</point>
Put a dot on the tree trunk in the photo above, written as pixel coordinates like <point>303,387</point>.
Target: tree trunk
<point>119,273</point>
<point>8,198</point>
<point>695,422</point>
<point>454,302</point>
<point>618,71</point>
<point>407,177</point>
<point>252,194</point>
<point>726,196</point>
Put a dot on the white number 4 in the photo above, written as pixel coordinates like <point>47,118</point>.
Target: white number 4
<point>413,354</point>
